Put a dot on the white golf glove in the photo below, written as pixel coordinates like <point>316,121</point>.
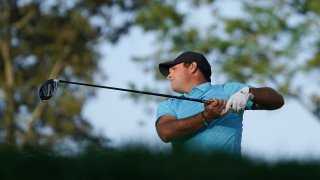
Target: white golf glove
<point>238,101</point>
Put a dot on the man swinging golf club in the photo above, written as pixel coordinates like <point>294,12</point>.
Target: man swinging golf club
<point>208,127</point>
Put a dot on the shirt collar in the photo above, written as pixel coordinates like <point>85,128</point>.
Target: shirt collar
<point>202,87</point>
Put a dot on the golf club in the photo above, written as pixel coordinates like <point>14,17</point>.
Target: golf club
<point>49,88</point>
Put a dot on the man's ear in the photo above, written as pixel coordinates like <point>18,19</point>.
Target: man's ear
<point>193,67</point>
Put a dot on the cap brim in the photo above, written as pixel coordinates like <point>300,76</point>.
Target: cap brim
<point>164,67</point>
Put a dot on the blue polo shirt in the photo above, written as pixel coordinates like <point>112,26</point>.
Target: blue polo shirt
<point>222,134</point>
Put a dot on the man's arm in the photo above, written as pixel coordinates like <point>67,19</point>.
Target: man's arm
<point>169,128</point>
<point>266,98</point>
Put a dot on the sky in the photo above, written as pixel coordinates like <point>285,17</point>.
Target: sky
<point>288,133</point>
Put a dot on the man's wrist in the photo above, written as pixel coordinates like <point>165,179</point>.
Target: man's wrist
<point>251,96</point>
<point>246,90</point>
<point>204,119</point>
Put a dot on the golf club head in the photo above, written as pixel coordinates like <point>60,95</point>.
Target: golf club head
<point>48,89</point>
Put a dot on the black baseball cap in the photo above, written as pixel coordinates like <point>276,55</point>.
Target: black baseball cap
<point>188,56</point>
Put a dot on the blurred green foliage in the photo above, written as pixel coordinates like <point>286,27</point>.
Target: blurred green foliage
<point>140,163</point>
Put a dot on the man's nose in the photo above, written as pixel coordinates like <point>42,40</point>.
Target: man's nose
<point>169,76</point>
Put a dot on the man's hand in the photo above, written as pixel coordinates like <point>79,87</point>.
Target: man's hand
<point>215,109</point>
<point>238,101</point>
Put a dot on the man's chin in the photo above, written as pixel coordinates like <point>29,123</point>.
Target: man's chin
<point>176,90</point>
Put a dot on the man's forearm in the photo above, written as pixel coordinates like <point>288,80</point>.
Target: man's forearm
<point>173,129</point>
<point>266,98</point>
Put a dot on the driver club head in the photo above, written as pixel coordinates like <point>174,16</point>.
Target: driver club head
<point>48,89</point>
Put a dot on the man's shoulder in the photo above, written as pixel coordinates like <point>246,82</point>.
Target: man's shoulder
<point>170,101</point>
<point>232,85</point>
<point>227,85</point>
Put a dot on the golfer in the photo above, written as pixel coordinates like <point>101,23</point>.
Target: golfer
<point>209,127</point>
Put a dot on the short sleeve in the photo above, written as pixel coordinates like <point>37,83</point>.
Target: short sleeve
<point>165,108</point>
<point>233,87</point>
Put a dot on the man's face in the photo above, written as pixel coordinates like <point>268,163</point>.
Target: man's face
<point>178,75</point>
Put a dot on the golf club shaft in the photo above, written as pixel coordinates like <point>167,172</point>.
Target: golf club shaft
<point>135,91</point>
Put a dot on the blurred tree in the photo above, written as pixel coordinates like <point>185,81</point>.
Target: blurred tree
<point>53,39</point>
<point>274,43</point>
